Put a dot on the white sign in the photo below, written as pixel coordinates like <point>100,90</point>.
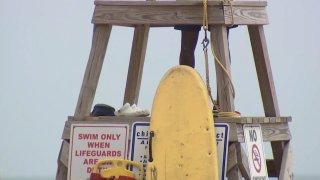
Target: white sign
<point>222,138</point>
<point>91,142</point>
<point>254,144</point>
<point>140,137</point>
<point>139,144</point>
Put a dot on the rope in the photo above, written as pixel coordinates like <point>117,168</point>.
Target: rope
<point>205,44</point>
<point>224,70</point>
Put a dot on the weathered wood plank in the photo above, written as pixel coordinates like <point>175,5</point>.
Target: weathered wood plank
<point>154,15</point>
<point>233,171</point>
<point>272,172</point>
<point>64,158</point>
<point>270,132</point>
<point>221,50</point>
<point>138,51</point>
<point>263,67</point>
<point>286,172</point>
<point>174,13</point>
<point>267,89</point>
<point>243,162</point>
<point>100,41</point>
<point>245,15</point>
<point>178,3</point>
<point>62,171</point>
<point>240,120</point>
<point>220,47</point>
<point>232,157</point>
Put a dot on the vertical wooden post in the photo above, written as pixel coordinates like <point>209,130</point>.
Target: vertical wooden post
<point>220,45</point>
<point>100,41</point>
<point>286,165</point>
<point>268,92</point>
<point>62,171</point>
<point>138,52</point>
<point>221,49</point>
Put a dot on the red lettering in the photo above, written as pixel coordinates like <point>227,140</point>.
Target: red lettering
<point>90,161</point>
<point>88,136</point>
<point>98,144</point>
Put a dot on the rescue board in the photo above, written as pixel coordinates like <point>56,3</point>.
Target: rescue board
<point>182,143</point>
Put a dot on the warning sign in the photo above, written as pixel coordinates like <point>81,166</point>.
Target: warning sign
<point>140,137</point>
<point>222,138</point>
<point>91,142</point>
<point>254,144</point>
<point>139,144</point>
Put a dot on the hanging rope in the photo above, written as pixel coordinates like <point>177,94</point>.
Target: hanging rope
<point>205,44</point>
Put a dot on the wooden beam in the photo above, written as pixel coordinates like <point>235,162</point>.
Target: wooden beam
<point>272,172</point>
<point>64,158</point>
<point>267,89</point>
<point>242,15</point>
<point>263,68</point>
<point>155,13</point>
<point>243,162</point>
<point>138,52</point>
<point>286,172</point>
<point>238,120</point>
<point>100,40</point>
<point>221,50</point>
<point>270,132</point>
<point>62,171</point>
<point>233,171</point>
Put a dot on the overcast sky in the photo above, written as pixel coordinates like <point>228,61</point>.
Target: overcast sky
<point>44,48</point>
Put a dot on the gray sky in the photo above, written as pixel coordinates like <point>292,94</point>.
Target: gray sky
<point>44,48</point>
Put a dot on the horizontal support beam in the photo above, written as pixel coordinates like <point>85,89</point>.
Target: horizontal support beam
<point>169,13</point>
<point>271,130</point>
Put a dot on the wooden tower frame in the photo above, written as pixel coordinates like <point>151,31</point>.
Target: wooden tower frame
<point>143,15</point>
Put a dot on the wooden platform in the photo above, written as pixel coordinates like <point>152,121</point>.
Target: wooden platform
<point>273,129</point>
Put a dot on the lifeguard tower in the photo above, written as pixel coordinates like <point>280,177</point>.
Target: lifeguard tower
<point>143,15</point>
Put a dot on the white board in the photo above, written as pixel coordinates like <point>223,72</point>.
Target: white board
<point>91,142</point>
<point>139,145</point>
<point>222,138</point>
<point>256,158</point>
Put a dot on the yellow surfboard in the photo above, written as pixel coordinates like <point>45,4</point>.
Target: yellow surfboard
<point>182,144</point>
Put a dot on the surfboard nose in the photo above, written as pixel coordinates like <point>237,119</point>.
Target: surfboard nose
<point>184,145</point>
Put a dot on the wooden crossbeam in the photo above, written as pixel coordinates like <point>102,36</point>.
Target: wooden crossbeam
<point>271,131</point>
<point>166,14</point>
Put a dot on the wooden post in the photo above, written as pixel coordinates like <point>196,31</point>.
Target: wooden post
<point>220,45</point>
<point>62,171</point>
<point>138,51</point>
<point>221,49</point>
<point>268,92</point>
<point>101,34</point>
<point>286,165</point>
